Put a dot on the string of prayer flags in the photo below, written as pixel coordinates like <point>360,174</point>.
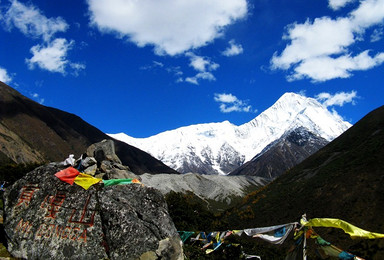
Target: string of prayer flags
<point>279,233</point>
<point>348,228</point>
<point>119,181</point>
<point>71,175</point>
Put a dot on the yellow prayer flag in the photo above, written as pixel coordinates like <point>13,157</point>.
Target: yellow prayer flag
<point>348,228</point>
<point>86,181</point>
<point>238,232</point>
<point>217,237</point>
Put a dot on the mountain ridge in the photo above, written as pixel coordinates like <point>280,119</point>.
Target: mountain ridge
<point>219,148</point>
<point>289,150</point>
<point>342,180</point>
<point>31,132</point>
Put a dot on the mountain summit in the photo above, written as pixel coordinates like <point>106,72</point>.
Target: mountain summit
<point>219,148</point>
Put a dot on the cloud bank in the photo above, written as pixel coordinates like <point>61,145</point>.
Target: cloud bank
<point>321,50</point>
<point>172,27</point>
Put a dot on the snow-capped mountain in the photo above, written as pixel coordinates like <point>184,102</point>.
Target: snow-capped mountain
<point>219,148</point>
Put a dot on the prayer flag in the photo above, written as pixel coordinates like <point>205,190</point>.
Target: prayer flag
<point>274,234</point>
<point>348,228</point>
<point>67,175</point>
<point>86,181</point>
<point>119,181</point>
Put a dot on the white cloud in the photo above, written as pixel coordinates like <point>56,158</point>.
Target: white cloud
<point>337,4</point>
<point>192,80</point>
<point>320,50</point>
<point>230,103</point>
<point>172,27</point>
<point>37,98</point>
<point>177,73</point>
<point>201,75</point>
<point>377,35</point>
<point>175,70</point>
<point>339,99</point>
<point>4,76</point>
<point>233,49</point>
<point>369,13</point>
<point>200,63</point>
<point>203,65</point>
<point>225,98</point>
<point>160,66</point>
<point>324,36</point>
<point>76,68</point>
<point>325,68</point>
<point>31,22</point>
<point>154,65</point>
<point>205,75</point>
<point>53,57</point>
<point>157,63</point>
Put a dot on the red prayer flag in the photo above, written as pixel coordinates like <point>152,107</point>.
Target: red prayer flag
<point>67,175</point>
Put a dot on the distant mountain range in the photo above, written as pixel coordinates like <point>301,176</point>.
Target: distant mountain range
<point>30,132</point>
<point>221,148</point>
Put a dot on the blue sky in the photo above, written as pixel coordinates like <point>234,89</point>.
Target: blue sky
<point>144,67</point>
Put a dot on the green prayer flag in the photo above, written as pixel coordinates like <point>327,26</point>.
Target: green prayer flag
<point>120,181</point>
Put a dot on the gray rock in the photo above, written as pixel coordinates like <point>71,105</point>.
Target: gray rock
<point>105,166</point>
<point>88,162</point>
<point>121,174</point>
<point>91,170</point>
<point>137,215</point>
<point>114,170</point>
<point>46,218</point>
<point>105,162</point>
<point>104,150</point>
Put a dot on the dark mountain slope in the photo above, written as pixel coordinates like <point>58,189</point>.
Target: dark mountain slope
<point>284,153</point>
<point>30,132</point>
<point>342,180</point>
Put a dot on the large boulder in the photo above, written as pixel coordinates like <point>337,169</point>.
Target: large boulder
<point>46,218</point>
